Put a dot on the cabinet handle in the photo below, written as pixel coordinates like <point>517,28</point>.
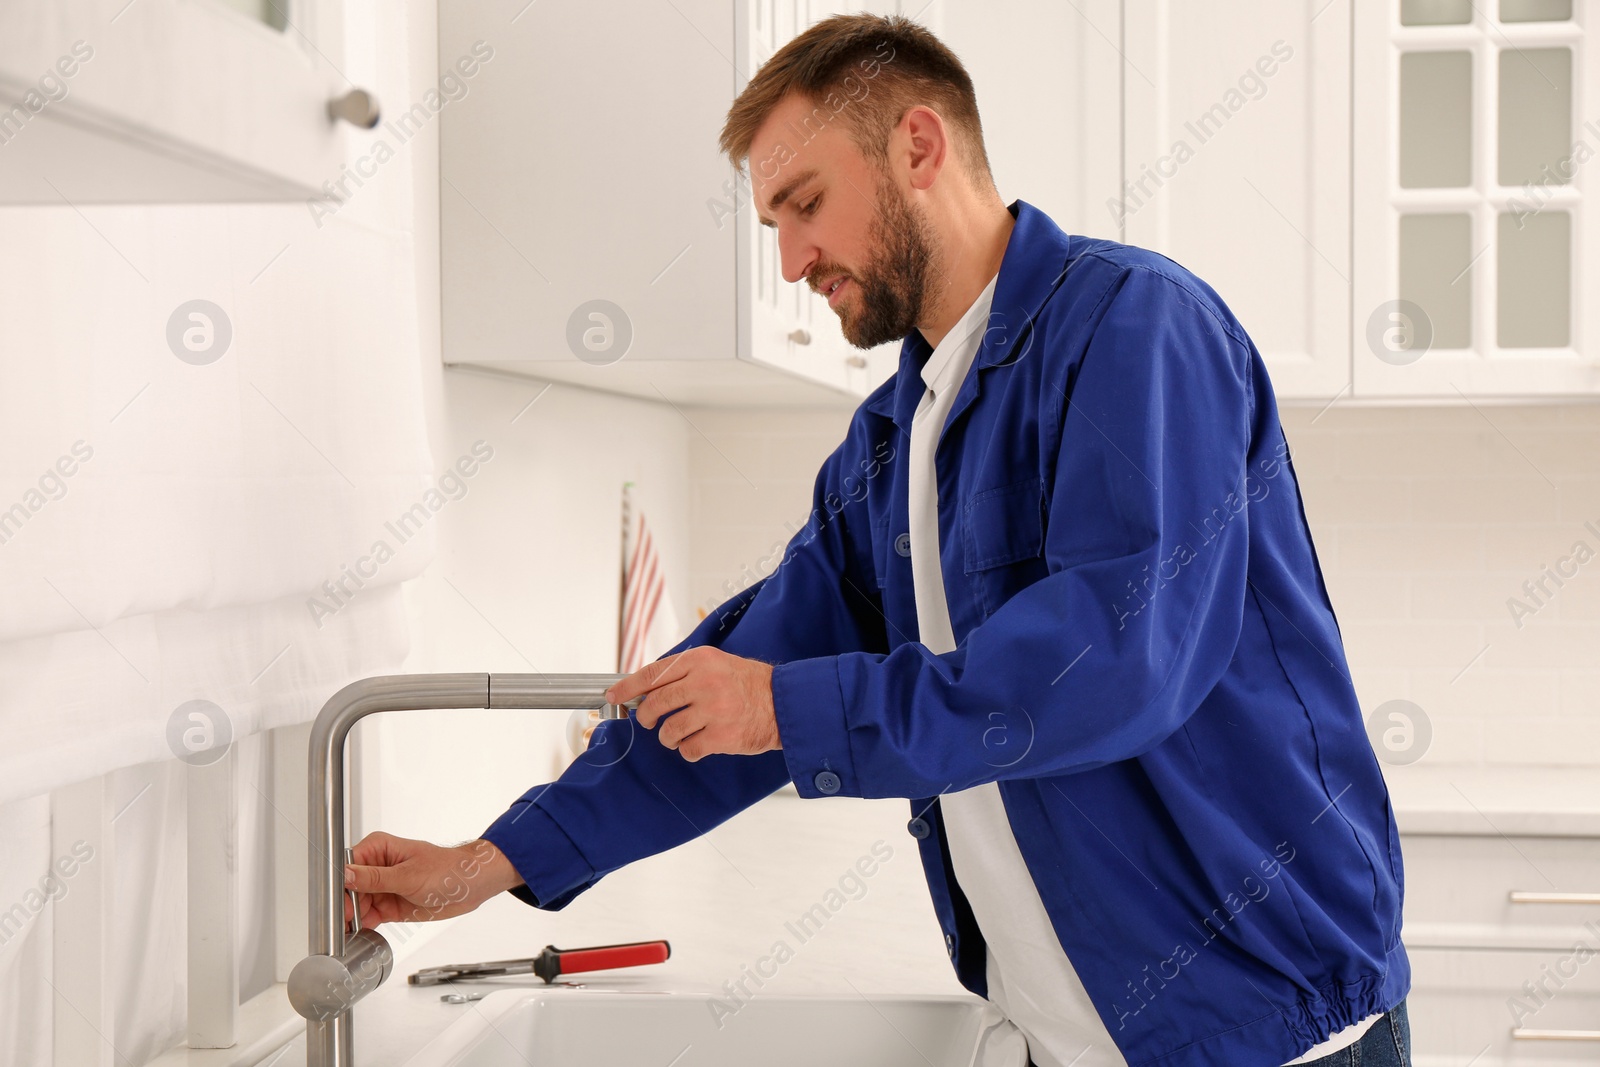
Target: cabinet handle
<point>858,362</point>
<point>1518,897</point>
<point>1555,1035</point>
<point>357,107</point>
<point>800,337</point>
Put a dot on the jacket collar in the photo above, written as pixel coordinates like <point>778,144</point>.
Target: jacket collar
<point>1032,268</point>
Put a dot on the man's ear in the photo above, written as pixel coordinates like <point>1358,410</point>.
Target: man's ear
<point>925,143</point>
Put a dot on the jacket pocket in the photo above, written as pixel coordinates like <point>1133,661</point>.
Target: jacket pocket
<point>1003,534</point>
<point>1003,525</point>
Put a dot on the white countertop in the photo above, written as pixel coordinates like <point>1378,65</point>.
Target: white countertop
<point>722,901</point>
<point>1540,801</point>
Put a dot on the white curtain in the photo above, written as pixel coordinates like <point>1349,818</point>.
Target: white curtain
<point>185,557</point>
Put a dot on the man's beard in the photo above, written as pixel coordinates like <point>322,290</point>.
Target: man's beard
<point>899,278</point>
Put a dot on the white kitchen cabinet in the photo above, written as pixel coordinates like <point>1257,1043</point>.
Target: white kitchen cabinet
<point>171,101</point>
<point>1493,927</point>
<point>1459,1011</point>
<point>1476,237</point>
<point>1393,196</point>
<point>592,233</point>
<point>1502,913</point>
<point>1236,164</point>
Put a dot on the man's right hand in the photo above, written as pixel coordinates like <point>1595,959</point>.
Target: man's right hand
<point>397,879</point>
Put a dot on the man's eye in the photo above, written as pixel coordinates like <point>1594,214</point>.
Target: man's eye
<point>810,208</point>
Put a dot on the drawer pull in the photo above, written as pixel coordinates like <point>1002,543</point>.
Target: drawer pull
<point>1555,1035</point>
<point>1554,898</point>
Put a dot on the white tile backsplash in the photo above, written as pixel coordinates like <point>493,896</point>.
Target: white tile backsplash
<point>752,472</point>
<point>1427,520</point>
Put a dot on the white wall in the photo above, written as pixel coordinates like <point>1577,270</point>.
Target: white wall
<point>1428,520</point>
<point>751,474</point>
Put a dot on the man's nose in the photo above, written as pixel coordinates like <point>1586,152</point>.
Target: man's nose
<point>796,255</point>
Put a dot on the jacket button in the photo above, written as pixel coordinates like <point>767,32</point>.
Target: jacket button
<point>902,544</point>
<point>918,828</point>
<point>826,782</point>
<point>950,945</point>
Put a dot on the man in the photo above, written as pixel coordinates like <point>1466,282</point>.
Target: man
<point>1057,589</point>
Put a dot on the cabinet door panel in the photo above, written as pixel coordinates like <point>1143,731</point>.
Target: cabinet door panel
<point>1474,232</point>
<point>1505,1009</point>
<point>168,101</point>
<point>1526,892</point>
<point>1236,164</point>
<point>564,183</point>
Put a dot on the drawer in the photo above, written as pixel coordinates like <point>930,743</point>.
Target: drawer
<point>1504,892</point>
<point>1472,1006</point>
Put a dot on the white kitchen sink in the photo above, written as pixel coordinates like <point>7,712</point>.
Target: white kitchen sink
<point>565,1027</point>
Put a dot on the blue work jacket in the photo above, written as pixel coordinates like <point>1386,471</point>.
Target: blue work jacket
<point>1148,664</point>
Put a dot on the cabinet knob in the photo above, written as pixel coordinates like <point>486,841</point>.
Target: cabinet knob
<point>800,337</point>
<point>858,362</point>
<point>357,107</point>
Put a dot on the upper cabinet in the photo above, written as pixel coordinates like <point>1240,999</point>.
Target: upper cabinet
<point>174,101</point>
<point>592,233</point>
<point>1476,231</point>
<point>1393,195</point>
<point>1236,164</point>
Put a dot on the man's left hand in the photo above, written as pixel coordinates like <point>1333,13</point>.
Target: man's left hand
<point>712,702</point>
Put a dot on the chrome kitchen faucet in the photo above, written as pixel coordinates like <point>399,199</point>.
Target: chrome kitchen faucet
<point>346,964</point>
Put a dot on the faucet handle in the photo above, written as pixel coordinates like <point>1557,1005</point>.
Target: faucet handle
<point>324,987</point>
<point>355,904</point>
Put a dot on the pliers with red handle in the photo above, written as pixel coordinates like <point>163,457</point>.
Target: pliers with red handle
<point>551,962</point>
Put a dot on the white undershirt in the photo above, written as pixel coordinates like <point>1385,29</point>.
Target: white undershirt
<point>1030,978</point>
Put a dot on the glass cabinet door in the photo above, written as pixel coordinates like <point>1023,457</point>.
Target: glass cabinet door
<point>1475,124</point>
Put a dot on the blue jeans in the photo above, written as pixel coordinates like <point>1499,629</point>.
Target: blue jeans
<point>1387,1043</point>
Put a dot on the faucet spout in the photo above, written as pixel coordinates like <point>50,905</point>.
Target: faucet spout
<point>344,966</point>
